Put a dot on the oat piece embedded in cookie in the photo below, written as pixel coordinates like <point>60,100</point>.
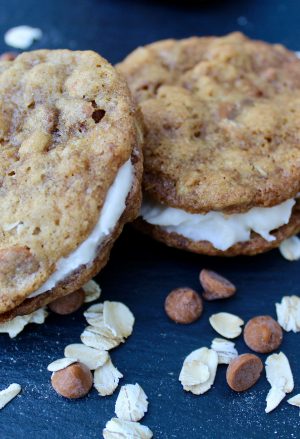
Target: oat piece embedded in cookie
<point>70,173</point>
<point>217,142</point>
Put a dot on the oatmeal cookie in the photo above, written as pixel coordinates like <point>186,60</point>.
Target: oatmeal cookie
<point>70,173</point>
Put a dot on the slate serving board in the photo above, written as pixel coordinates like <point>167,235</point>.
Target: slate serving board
<point>141,272</point>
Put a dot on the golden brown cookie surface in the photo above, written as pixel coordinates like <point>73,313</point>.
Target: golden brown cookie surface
<point>217,137</point>
<point>67,126</point>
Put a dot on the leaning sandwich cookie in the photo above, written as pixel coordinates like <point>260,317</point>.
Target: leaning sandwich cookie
<point>71,166</point>
<point>222,144</point>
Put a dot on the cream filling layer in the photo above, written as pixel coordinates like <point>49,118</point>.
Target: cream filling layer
<point>113,207</point>
<point>222,231</point>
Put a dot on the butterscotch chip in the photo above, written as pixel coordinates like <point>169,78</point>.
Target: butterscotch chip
<point>183,305</point>
<point>263,334</point>
<point>243,372</point>
<point>68,304</point>
<point>74,381</point>
<point>8,56</point>
<point>215,286</point>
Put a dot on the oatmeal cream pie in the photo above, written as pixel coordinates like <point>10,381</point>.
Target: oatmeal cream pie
<point>222,142</point>
<point>71,168</point>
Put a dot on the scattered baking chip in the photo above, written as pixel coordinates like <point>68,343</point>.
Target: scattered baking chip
<point>16,325</point>
<point>92,291</point>
<point>60,364</point>
<point>199,370</point>
<point>295,400</point>
<point>118,318</point>
<point>288,313</point>
<point>106,378</point>
<point>225,349</point>
<point>21,37</point>
<point>91,357</point>
<point>280,377</point>
<point>8,394</point>
<point>95,338</point>
<point>132,403</point>
<point>290,248</point>
<point>226,324</point>
<point>118,428</point>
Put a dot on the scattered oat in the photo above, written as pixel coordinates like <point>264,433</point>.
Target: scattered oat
<point>225,349</point>
<point>60,364</point>
<point>8,394</point>
<point>120,429</point>
<point>295,400</point>
<point>95,338</point>
<point>94,317</point>
<point>199,370</point>
<point>132,403</point>
<point>226,324</point>
<point>118,318</point>
<point>21,37</point>
<point>91,357</point>
<point>16,325</point>
<point>288,313</point>
<point>290,248</point>
<point>280,377</point>
<point>106,378</point>
<point>92,291</point>
<point>274,398</point>
<point>38,316</point>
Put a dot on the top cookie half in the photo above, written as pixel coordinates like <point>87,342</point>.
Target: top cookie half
<point>67,126</point>
<point>222,120</point>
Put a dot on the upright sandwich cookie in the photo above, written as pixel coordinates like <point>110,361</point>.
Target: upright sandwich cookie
<point>70,172</point>
<point>222,142</point>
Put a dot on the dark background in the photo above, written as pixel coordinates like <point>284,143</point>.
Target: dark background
<point>142,272</point>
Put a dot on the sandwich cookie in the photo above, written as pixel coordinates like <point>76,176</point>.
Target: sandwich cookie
<point>70,173</point>
<point>222,142</point>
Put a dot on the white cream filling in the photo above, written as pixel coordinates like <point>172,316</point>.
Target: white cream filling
<point>113,207</point>
<point>222,231</point>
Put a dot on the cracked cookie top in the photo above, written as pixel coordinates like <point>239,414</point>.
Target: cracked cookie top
<point>222,120</point>
<point>67,124</point>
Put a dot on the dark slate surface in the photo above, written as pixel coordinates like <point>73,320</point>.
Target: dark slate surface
<point>142,272</point>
